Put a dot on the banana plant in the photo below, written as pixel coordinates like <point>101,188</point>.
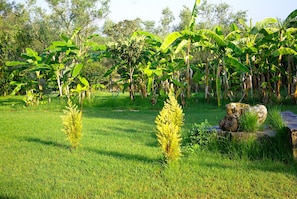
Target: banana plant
<point>276,42</point>
<point>63,59</point>
<point>287,37</point>
<point>184,39</point>
<point>31,71</point>
<point>157,66</point>
<point>256,48</point>
<point>67,61</point>
<point>226,52</point>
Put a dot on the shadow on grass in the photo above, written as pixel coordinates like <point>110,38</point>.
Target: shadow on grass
<point>114,154</point>
<point>125,156</point>
<point>268,166</point>
<point>44,142</point>
<point>7,197</point>
<point>11,102</point>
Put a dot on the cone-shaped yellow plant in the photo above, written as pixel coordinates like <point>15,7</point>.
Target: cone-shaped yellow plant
<point>72,123</point>
<point>169,123</point>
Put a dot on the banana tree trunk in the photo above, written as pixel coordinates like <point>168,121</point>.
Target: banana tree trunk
<point>59,83</point>
<point>40,87</point>
<point>218,85</point>
<point>290,77</point>
<point>188,70</point>
<point>248,63</point>
<point>207,82</point>
<point>226,82</point>
<point>279,80</point>
<point>131,71</point>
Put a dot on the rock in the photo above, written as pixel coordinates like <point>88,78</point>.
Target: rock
<point>261,111</point>
<point>235,110</point>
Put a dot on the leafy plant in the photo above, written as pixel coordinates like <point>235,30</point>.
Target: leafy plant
<point>169,122</point>
<point>31,98</point>
<point>72,122</point>
<point>249,121</point>
<point>201,135</point>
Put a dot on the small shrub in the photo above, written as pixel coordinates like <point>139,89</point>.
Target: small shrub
<point>275,120</point>
<point>248,122</point>
<point>201,135</point>
<point>31,99</point>
<point>169,123</point>
<point>72,122</point>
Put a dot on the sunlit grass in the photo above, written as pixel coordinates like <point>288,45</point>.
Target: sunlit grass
<point>120,158</point>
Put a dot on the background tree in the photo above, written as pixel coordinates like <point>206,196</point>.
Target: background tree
<point>149,26</point>
<point>15,37</point>
<point>185,18</point>
<point>221,14</point>
<point>79,14</point>
<point>121,30</point>
<point>166,19</point>
<point>128,55</point>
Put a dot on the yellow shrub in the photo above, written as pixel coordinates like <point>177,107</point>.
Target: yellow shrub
<point>72,123</point>
<point>169,123</point>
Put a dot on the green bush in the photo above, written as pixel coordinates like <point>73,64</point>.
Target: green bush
<point>201,135</point>
<point>72,123</point>
<point>248,122</point>
<point>169,122</point>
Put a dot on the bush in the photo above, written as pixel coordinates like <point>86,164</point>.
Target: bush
<point>201,135</point>
<point>72,122</point>
<point>169,122</point>
<point>248,122</point>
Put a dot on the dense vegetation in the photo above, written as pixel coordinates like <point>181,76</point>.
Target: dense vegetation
<point>63,51</point>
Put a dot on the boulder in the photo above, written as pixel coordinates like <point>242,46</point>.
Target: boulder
<point>235,110</point>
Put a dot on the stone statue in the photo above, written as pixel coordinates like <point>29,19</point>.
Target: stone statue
<point>235,110</point>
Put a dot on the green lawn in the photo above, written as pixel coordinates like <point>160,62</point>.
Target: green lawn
<point>120,158</point>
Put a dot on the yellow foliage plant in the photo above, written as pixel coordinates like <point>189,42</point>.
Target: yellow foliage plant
<point>72,123</point>
<point>169,123</point>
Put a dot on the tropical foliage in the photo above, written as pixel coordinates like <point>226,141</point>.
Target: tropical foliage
<point>227,60</point>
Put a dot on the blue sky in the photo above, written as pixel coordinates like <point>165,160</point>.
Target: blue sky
<point>152,9</point>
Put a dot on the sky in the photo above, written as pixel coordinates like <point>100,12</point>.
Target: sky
<point>152,9</point>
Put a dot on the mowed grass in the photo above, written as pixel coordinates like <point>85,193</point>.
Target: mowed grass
<point>120,157</point>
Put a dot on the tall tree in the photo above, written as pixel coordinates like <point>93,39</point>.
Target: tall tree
<point>149,26</point>
<point>128,54</point>
<point>80,14</point>
<point>166,20</point>
<point>15,36</point>
<point>221,14</point>
<point>185,18</point>
<point>121,30</point>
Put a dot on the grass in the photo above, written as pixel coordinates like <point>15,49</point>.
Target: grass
<point>274,119</point>
<point>249,122</point>
<point>120,157</point>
